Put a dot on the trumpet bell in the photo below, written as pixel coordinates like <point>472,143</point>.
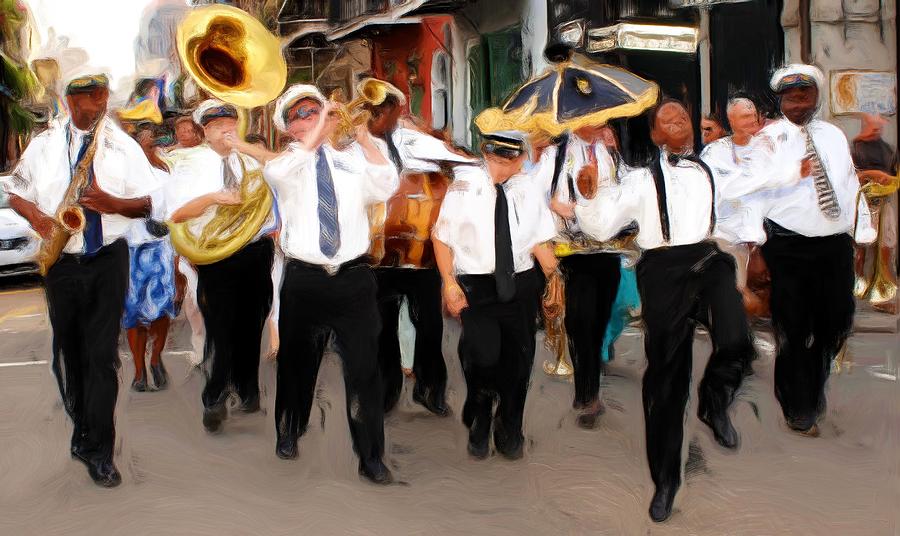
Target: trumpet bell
<point>231,55</point>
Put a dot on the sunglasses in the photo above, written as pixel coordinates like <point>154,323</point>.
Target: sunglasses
<point>304,112</point>
<point>503,152</point>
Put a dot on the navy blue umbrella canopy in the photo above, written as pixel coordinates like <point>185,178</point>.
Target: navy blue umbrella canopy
<point>571,95</point>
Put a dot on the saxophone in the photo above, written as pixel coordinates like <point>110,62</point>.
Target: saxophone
<point>69,216</point>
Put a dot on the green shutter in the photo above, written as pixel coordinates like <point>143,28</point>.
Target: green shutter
<point>479,95</point>
<point>504,63</point>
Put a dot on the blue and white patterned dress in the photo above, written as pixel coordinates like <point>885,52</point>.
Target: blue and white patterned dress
<point>151,288</point>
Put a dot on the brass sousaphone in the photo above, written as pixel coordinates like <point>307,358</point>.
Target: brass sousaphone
<point>232,56</point>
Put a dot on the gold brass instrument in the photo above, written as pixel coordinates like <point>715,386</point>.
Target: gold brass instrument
<point>880,288</point>
<point>231,55</point>
<point>371,92</point>
<point>231,228</point>
<point>69,216</point>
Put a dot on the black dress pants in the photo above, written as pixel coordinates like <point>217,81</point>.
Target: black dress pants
<point>681,286</point>
<point>235,296</point>
<point>422,288</point>
<point>315,304</point>
<point>86,299</point>
<point>812,310</point>
<point>496,349</point>
<point>592,281</point>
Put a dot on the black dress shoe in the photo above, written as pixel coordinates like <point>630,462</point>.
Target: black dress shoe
<point>286,447</point>
<point>160,376</point>
<point>102,471</point>
<point>79,452</point>
<point>251,404</point>
<point>661,505</point>
<point>512,449</point>
<point>213,417</point>
<point>433,403</point>
<point>139,385</point>
<point>723,430</point>
<point>376,472</point>
<point>592,412</point>
<point>479,444</point>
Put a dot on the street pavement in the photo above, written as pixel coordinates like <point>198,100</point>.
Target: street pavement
<point>179,480</point>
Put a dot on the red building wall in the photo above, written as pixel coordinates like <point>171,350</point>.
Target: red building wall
<point>403,56</point>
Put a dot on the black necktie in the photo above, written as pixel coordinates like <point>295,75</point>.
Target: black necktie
<point>395,154</point>
<point>504,268</point>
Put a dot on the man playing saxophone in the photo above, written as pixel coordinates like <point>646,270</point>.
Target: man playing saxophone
<point>111,182</point>
<point>234,293</point>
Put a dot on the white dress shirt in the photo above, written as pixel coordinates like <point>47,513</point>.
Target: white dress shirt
<point>45,170</point>
<point>198,171</point>
<point>578,154</point>
<point>357,183</point>
<point>419,152</point>
<point>466,221</point>
<point>138,233</point>
<point>688,198</point>
<point>795,206</point>
<point>738,207</point>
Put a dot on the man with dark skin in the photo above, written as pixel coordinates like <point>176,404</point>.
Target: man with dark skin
<point>418,158</point>
<point>86,286</point>
<point>684,279</point>
<point>809,247</point>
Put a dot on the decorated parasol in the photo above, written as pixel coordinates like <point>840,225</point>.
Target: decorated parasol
<point>577,92</point>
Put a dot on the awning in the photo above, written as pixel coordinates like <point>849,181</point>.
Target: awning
<point>392,15</point>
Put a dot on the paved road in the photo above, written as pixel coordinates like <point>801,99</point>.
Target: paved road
<point>178,480</point>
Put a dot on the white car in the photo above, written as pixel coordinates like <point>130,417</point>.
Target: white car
<point>19,243</point>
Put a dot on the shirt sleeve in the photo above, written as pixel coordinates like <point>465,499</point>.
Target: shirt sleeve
<point>613,207</point>
<point>380,181</point>
<point>450,207</point>
<point>420,146</point>
<point>542,173</point>
<point>771,164</point>
<point>140,180</point>
<point>285,166</point>
<point>546,228</point>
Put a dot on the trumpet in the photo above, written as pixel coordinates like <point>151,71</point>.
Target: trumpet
<point>372,92</point>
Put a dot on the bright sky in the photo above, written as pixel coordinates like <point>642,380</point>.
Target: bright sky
<point>106,29</point>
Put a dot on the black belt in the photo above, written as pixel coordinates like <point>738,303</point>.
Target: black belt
<point>331,270</point>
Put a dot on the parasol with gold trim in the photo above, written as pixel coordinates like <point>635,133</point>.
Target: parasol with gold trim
<point>577,92</point>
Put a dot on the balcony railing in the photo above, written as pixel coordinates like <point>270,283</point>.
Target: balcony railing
<point>350,9</point>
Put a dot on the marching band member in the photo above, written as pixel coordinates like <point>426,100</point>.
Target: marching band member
<point>328,286</point>
<point>809,247</point>
<point>684,279</point>
<point>592,276</point>
<point>416,156</point>
<point>86,287</point>
<point>738,220</point>
<point>235,293</point>
<point>493,223</point>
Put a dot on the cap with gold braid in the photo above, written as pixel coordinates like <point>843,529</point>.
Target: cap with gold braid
<point>87,83</point>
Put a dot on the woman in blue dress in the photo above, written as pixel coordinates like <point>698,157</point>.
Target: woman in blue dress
<point>150,302</point>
